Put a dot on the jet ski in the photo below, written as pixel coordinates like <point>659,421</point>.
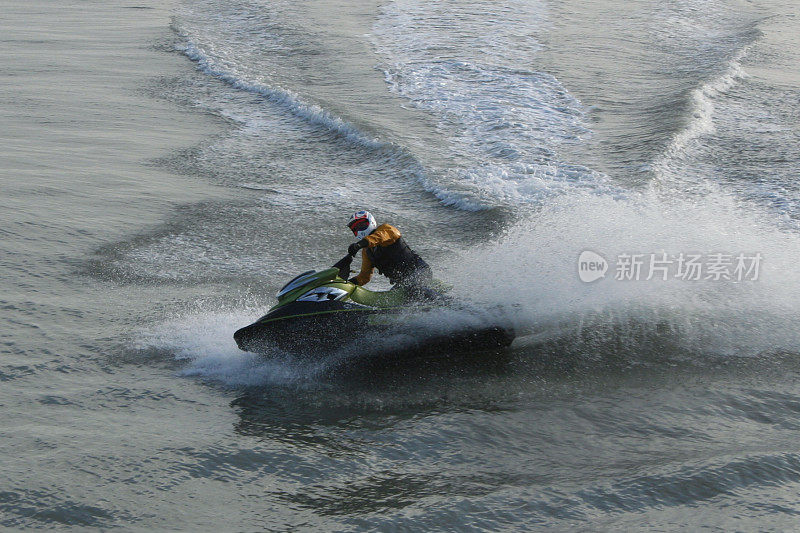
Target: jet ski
<point>318,311</point>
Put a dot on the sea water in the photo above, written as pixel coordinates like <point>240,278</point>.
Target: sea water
<point>166,167</point>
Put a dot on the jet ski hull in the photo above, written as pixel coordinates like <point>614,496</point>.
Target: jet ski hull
<point>299,332</point>
<point>321,314</point>
<point>328,330</point>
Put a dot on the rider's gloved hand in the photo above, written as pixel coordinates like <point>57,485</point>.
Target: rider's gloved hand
<point>353,280</point>
<point>356,246</point>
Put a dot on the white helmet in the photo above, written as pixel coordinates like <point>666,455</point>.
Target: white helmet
<point>362,224</point>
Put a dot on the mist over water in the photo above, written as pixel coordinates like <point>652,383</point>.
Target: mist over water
<point>157,198</point>
<point>707,316</point>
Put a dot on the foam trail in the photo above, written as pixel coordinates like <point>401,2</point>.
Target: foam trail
<point>316,115</point>
<point>503,122</point>
<point>285,98</point>
<point>218,64</point>
<point>701,123</point>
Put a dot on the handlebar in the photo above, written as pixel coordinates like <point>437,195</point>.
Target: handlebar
<point>344,266</point>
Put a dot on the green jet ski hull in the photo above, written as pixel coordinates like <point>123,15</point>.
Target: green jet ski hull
<point>319,313</point>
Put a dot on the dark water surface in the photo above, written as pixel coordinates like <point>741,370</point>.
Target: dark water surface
<point>165,169</point>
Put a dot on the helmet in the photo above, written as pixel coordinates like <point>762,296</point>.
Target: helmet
<point>362,224</point>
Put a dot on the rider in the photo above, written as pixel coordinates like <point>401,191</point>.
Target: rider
<point>385,249</point>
